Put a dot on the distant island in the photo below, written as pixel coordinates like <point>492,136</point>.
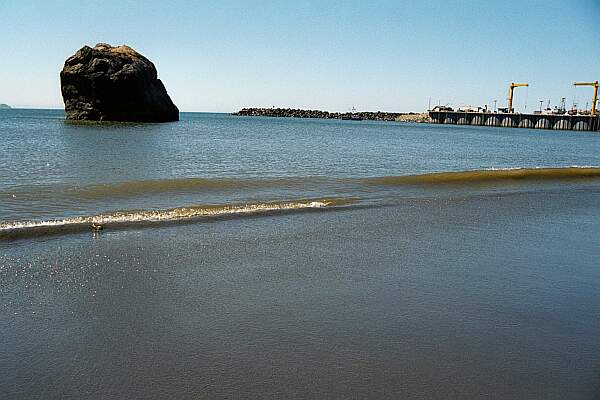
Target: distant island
<point>358,115</point>
<point>4,107</point>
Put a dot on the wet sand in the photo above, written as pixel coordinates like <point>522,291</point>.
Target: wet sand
<point>482,296</point>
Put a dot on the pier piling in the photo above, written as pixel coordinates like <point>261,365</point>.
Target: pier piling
<point>514,120</point>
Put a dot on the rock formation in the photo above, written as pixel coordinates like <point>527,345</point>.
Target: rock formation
<point>108,83</point>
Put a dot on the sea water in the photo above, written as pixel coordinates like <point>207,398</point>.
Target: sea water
<point>261,257</point>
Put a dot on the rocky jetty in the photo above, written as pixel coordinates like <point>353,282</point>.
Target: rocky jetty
<point>285,112</point>
<point>107,83</point>
<point>414,117</point>
<point>362,115</point>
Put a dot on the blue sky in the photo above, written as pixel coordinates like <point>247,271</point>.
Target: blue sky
<point>386,55</point>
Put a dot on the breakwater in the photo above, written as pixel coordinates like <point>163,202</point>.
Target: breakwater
<point>535,121</point>
<point>361,115</point>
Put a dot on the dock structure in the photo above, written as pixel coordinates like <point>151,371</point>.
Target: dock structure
<point>516,120</point>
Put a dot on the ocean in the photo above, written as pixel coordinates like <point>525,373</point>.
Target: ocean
<point>297,258</point>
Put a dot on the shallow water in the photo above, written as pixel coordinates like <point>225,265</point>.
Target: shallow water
<point>297,259</point>
<point>466,297</point>
<point>54,170</point>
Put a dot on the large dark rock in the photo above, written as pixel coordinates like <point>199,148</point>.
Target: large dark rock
<point>108,83</point>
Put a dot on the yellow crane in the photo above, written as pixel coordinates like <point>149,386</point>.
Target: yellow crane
<point>595,85</point>
<point>511,88</point>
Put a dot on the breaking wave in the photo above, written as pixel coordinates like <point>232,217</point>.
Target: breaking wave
<point>489,176</point>
<point>136,188</point>
<point>146,217</point>
<point>368,190</point>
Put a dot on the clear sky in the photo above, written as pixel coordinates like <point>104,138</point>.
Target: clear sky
<point>372,55</point>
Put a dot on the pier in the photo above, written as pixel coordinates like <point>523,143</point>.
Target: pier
<point>516,120</point>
